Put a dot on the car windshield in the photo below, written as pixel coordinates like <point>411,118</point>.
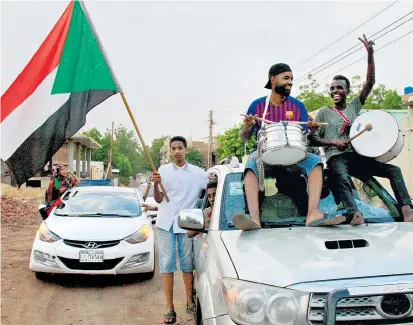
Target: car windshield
<point>279,210</point>
<point>142,190</point>
<point>99,204</point>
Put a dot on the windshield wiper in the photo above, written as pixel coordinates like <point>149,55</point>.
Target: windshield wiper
<point>116,215</point>
<point>283,224</point>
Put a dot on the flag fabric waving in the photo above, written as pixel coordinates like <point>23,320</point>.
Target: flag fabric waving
<point>48,102</point>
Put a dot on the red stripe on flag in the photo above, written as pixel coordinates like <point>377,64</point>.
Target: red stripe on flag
<point>45,60</point>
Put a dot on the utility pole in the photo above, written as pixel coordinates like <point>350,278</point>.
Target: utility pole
<point>109,169</point>
<point>211,124</point>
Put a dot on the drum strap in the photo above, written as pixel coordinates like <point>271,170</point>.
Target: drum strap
<point>267,104</point>
<point>261,140</point>
<point>344,117</point>
<point>260,163</point>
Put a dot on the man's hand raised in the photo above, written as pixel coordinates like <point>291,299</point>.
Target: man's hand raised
<point>367,44</point>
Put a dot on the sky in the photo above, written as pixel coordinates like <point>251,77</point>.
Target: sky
<point>176,61</point>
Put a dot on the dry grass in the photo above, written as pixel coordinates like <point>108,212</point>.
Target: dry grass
<point>24,192</point>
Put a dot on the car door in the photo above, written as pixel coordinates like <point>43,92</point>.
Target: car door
<point>198,251</point>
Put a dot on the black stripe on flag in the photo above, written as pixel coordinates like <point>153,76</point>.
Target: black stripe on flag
<point>34,153</point>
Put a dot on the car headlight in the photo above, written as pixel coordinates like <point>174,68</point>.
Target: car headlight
<point>252,303</point>
<point>140,236</point>
<point>46,235</point>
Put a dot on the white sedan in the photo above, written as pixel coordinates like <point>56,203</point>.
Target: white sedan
<point>96,230</point>
<point>149,200</point>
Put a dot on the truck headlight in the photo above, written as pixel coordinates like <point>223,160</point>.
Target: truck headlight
<point>252,303</point>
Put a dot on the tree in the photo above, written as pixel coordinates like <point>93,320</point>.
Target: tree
<point>195,157</point>
<point>311,97</point>
<point>231,144</point>
<point>126,154</point>
<point>379,98</point>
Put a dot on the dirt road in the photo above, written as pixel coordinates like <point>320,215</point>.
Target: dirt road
<point>70,300</point>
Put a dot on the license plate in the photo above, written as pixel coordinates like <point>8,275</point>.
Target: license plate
<point>90,257</point>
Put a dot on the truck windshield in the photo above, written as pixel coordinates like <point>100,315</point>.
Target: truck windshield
<point>277,208</point>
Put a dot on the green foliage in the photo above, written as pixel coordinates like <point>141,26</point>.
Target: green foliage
<point>379,98</point>
<point>195,157</point>
<point>126,154</point>
<point>312,98</point>
<point>231,144</point>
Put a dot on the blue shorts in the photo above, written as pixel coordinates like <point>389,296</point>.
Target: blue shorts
<point>304,167</point>
<point>167,251</point>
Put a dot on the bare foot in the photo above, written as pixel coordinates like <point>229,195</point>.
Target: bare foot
<point>407,213</point>
<point>245,222</point>
<point>357,219</point>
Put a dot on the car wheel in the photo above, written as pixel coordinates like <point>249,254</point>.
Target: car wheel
<point>148,276</point>
<point>42,276</point>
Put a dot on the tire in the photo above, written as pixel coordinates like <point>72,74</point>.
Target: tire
<point>42,276</point>
<point>148,276</point>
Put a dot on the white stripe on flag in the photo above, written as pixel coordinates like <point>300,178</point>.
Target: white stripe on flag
<point>29,116</point>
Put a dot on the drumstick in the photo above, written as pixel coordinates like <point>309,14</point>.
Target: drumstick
<point>271,122</point>
<point>368,127</point>
<point>299,122</point>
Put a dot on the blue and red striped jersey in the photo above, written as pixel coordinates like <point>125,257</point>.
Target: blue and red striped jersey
<point>291,110</point>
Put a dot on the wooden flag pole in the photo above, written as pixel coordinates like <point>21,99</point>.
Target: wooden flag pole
<point>143,143</point>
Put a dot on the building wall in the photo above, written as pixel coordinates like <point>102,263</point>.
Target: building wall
<point>61,156</point>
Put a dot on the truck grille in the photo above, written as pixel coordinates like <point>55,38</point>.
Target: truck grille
<point>367,310</point>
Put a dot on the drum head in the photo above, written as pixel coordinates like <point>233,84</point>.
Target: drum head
<point>285,157</point>
<point>380,139</point>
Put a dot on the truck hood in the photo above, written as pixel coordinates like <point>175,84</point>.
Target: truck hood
<point>286,256</point>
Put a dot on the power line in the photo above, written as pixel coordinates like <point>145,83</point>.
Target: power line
<point>357,45</point>
<point>349,33</point>
<point>349,65</point>
<point>301,79</point>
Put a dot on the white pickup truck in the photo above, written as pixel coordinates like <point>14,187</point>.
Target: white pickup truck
<point>286,273</point>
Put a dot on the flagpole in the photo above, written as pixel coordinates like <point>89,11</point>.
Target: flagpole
<point>145,149</point>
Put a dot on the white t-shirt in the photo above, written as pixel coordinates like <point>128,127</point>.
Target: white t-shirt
<point>183,186</point>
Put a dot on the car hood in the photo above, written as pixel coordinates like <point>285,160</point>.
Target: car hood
<point>99,229</point>
<point>287,256</point>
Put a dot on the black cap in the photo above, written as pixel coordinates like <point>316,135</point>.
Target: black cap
<point>276,69</point>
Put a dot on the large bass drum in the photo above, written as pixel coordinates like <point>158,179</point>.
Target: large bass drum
<point>384,142</point>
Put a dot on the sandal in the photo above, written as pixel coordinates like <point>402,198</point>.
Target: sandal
<point>328,220</point>
<point>170,317</point>
<point>244,222</point>
<point>191,310</point>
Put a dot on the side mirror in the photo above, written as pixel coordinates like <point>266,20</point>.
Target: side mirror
<point>191,219</point>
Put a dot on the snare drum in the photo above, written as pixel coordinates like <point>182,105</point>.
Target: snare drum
<point>283,144</point>
<point>384,142</point>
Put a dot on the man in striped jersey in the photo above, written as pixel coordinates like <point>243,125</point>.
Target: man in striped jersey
<point>281,107</point>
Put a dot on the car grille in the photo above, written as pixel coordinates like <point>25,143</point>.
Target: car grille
<point>74,264</point>
<point>360,310</point>
<point>84,244</point>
